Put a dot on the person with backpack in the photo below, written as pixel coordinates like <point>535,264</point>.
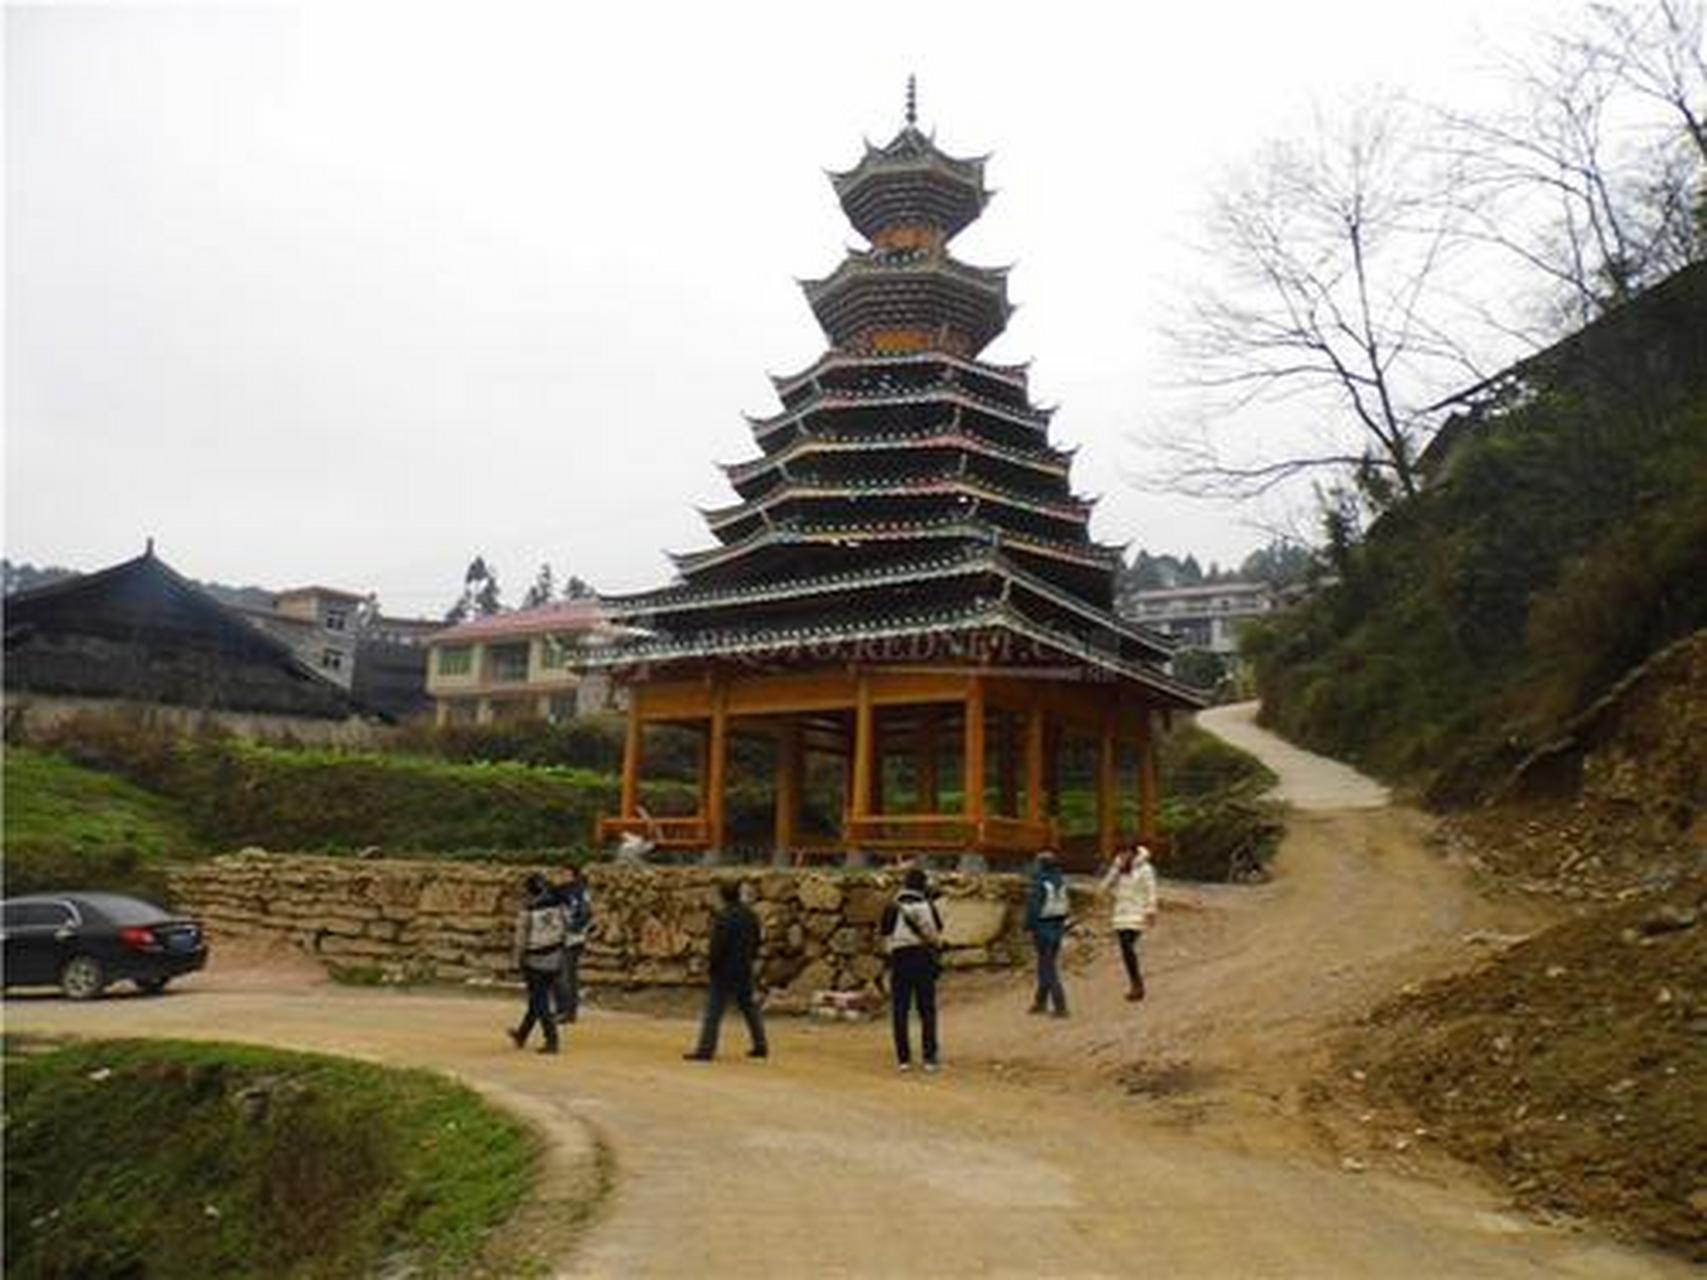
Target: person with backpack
<point>578,911</point>
<point>1132,880</point>
<point>912,932</point>
<point>1047,907</point>
<point>541,926</point>
<point>735,938</point>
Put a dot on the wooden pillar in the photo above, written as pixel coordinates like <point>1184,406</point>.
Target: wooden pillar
<point>864,748</point>
<point>1052,739</point>
<point>633,744</point>
<point>1034,765</point>
<point>1108,783</point>
<point>1007,764</point>
<point>716,768</point>
<point>877,759</point>
<point>929,787</point>
<point>973,804</point>
<point>702,763</point>
<point>1149,787</point>
<point>788,785</point>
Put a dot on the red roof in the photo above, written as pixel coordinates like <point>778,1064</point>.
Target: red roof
<point>559,615</point>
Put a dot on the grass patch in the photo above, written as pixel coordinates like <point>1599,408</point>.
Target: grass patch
<point>139,1158</point>
<point>67,826</point>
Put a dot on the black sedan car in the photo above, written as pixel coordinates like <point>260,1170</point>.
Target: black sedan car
<point>82,942</point>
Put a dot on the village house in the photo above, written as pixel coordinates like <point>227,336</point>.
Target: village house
<point>139,636</point>
<point>1208,616</point>
<point>513,665</point>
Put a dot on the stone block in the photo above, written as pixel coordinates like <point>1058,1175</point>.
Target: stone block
<point>850,940</point>
<point>820,893</point>
<point>821,924</point>
<point>658,940</point>
<point>866,968</point>
<point>972,922</point>
<point>453,898</point>
<point>819,975</point>
<point>864,904</point>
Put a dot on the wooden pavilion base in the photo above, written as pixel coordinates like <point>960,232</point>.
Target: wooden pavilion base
<point>1006,727</point>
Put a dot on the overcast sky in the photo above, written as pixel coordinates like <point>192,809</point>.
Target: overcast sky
<point>346,294</point>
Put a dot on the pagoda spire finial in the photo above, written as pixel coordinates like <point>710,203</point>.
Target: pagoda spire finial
<point>912,101</point>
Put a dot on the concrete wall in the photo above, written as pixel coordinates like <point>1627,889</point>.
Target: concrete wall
<point>417,920</point>
<point>34,712</point>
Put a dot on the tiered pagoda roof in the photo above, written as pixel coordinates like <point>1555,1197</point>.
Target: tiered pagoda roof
<point>906,491</point>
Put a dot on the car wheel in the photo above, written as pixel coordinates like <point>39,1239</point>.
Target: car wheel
<point>82,978</point>
<point>151,986</point>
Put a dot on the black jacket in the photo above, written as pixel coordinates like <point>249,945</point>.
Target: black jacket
<point>734,944</point>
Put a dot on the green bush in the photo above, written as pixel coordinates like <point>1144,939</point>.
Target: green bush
<point>232,793</point>
<point>161,1158</point>
<point>1219,828</point>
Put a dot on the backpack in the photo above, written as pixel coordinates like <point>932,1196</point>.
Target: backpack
<point>1057,902</point>
<point>545,928</point>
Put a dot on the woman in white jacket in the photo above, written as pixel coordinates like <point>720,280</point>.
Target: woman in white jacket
<point>1132,880</point>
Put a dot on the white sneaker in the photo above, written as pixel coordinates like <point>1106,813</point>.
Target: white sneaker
<point>932,1068</point>
<point>904,1066</point>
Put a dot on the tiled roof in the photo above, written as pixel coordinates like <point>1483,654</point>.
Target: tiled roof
<point>559,615</point>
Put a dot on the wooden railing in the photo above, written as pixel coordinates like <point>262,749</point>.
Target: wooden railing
<point>952,832</point>
<point>921,831</point>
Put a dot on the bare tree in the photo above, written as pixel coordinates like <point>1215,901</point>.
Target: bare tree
<point>1327,286</point>
<point>1593,179</point>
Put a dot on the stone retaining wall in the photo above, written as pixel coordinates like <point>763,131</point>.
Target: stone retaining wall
<point>435,921</point>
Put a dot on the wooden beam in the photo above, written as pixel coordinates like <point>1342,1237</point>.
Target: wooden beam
<point>788,770</point>
<point>716,772</point>
<point>973,803</point>
<point>1108,782</point>
<point>1034,727</point>
<point>1149,785</point>
<point>633,744</point>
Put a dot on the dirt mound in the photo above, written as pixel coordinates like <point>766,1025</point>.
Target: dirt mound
<point>1615,806</point>
<point>1573,1065</point>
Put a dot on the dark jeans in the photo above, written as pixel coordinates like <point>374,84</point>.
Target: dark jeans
<point>1049,989</point>
<point>540,982</point>
<point>912,980</point>
<point>717,999</point>
<point>568,987</point>
<point>1129,955</point>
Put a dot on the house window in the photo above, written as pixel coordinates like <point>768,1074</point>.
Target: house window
<point>335,619</point>
<point>508,662</point>
<point>456,660</point>
<point>332,659</point>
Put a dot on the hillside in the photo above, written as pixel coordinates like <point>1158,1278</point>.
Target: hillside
<point>68,825</point>
<point>1561,542</point>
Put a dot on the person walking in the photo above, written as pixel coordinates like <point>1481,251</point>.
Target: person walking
<point>1047,907</point>
<point>540,929</point>
<point>1132,880</point>
<point>912,931</point>
<point>734,947</point>
<point>577,906</point>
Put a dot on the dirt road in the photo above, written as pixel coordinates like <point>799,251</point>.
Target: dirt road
<point>1023,1158</point>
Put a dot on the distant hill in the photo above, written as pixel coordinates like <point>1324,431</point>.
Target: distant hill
<point>1561,541</point>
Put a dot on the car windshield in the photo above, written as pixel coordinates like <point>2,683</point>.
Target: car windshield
<point>126,911</point>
